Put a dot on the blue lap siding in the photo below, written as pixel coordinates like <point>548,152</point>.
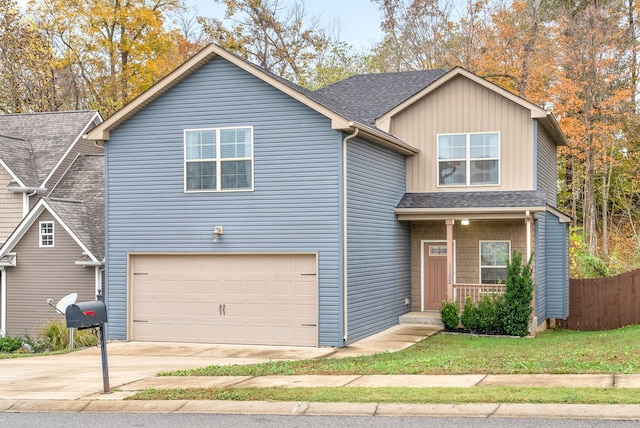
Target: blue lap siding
<point>295,206</point>
<point>379,251</point>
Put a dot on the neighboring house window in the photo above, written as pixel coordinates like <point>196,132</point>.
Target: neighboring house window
<point>218,159</point>
<point>46,234</point>
<point>493,261</point>
<point>468,159</point>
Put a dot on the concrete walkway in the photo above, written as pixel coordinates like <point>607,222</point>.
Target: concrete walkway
<point>73,382</point>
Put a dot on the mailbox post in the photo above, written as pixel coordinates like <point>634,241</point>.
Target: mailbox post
<point>92,315</point>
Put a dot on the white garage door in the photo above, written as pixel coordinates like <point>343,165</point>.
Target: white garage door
<point>256,299</point>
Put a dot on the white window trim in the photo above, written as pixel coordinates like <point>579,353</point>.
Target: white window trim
<point>218,160</point>
<point>480,265</point>
<point>467,159</point>
<point>41,235</point>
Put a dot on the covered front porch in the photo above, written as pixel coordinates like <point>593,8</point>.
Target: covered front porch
<point>460,251</point>
<point>454,259</point>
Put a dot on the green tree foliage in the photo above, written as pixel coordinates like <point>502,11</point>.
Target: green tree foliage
<point>27,65</point>
<point>518,296</point>
<point>284,40</point>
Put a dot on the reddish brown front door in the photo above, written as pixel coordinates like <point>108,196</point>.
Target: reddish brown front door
<point>434,288</point>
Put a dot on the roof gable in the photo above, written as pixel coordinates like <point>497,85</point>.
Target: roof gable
<point>77,204</point>
<point>547,120</point>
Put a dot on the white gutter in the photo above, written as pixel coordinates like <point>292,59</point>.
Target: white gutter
<point>527,222</point>
<point>344,233</point>
<point>3,298</point>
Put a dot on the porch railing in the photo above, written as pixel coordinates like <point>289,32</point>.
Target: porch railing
<point>476,291</point>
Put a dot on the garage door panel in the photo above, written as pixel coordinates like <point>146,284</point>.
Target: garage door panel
<point>249,299</point>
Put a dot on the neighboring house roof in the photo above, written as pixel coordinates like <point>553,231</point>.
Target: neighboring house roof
<point>79,200</point>
<point>33,144</point>
<point>474,204</point>
<point>369,96</point>
<point>77,203</point>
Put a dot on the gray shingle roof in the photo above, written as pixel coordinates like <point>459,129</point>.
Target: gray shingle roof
<point>79,201</point>
<point>458,200</point>
<point>369,96</point>
<point>32,144</point>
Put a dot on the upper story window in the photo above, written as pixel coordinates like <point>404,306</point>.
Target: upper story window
<point>468,159</point>
<point>46,234</point>
<point>218,159</point>
<point>493,261</point>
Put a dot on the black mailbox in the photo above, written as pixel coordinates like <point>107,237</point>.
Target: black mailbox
<point>86,314</point>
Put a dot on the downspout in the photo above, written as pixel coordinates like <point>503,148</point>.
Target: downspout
<point>3,297</point>
<point>344,234</point>
<point>527,221</point>
<point>96,270</point>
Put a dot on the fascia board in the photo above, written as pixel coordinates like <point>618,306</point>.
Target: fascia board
<point>562,217</point>
<point>385,140</point>
<point>30,220</point>
<point>12,174</point>
<point>22,228</point>
<point>470,213</point>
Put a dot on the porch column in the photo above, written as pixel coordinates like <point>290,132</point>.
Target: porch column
<point>449,222</point>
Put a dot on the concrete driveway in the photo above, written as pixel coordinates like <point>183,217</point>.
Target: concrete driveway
<point>79,374</point>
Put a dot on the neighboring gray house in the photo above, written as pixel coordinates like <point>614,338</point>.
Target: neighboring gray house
<point>57,249</point>
<point>36,151</point>
<point>241,208</point>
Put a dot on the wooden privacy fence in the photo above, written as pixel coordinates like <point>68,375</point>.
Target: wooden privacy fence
<point>603,303</point>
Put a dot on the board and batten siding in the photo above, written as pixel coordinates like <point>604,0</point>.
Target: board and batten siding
<point>547,174</point>
<point>462,106</point>
<point>378,245</point>
<point>541,267</point>
<point>295,205</point>
<point>11,204</point>
<point>557,268</point>
<point>42,273</point>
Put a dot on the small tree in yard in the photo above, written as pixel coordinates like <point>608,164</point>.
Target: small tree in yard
<point>518,296</point>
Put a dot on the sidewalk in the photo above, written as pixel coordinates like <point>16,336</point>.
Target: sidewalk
<point>114,402</point>
<point>73,382</point>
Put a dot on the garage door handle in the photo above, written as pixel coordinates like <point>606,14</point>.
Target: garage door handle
<point>222,309</point>
<point>309,325</point>
<point>140,321</point>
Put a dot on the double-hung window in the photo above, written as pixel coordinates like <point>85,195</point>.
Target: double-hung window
<point>218,159</point>
<point>493,261</point>
<point>468,159</point>
<point>46,234</point>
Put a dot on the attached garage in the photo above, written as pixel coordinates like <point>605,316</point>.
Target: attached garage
<point>256,299</point>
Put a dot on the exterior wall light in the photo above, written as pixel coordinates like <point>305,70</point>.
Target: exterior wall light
<point>464,222</point>
<point>217,231</point>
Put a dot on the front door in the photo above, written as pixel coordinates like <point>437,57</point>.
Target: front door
<point>434,287</point>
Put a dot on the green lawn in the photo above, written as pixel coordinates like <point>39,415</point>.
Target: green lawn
<point>555,351</point>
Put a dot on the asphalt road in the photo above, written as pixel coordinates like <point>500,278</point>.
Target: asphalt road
<point>110,420</point>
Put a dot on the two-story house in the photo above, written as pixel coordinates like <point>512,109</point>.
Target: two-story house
<point>41,158</point>
<point>241,208</point>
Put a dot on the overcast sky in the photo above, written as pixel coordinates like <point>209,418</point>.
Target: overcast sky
<point>358,20</point>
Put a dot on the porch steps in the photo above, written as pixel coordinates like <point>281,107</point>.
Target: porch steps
<point>431,318</point>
